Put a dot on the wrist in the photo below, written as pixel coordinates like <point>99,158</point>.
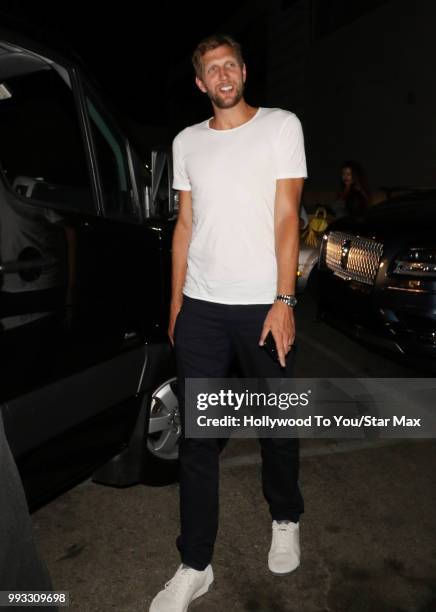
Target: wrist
<point>287,299</point>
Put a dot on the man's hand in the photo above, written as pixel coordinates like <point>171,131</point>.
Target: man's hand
<point>280,321</point>
<point>174,313</point>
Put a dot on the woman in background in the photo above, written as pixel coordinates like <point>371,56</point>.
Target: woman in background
<point>354,196</point>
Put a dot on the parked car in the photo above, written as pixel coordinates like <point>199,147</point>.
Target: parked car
<point>87,373</point>
<point>377,277</point>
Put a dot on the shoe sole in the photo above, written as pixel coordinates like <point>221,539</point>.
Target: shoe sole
<point>284,573</point>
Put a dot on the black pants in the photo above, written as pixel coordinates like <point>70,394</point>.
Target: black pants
<point>208,339</point>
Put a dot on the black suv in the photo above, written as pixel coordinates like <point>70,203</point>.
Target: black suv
<point>87,374</point>
<point>377,277</point>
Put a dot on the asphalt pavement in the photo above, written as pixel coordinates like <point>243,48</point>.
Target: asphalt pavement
<point>367,535</point>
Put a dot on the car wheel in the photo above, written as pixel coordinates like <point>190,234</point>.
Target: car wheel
<point>162,435</point>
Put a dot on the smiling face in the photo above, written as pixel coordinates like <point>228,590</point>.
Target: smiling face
<point>222,77</point>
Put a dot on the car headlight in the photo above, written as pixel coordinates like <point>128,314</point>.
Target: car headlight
<point>416,262</point>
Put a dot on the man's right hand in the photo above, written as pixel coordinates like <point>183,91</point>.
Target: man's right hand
<point>174,313</point>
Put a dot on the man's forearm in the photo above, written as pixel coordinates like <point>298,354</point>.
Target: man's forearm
<point>287,247</point>
<point>180,246</point>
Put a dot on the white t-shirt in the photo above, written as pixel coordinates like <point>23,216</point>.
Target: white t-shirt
<point>232,175</point>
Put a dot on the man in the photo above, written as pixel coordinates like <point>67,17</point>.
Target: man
<point>235,250</point>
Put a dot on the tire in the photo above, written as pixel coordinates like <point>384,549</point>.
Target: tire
<point>163,431</point>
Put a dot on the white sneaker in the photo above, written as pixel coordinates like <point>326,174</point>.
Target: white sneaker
<point>186,585</point>
<point>284,554</point>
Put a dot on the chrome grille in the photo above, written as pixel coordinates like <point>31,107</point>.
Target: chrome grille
<point>353,257</point>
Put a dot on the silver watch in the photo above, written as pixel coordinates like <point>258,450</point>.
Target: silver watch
<point>289,300</point>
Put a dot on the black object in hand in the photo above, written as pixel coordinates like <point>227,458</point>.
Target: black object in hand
<point>270,346</point>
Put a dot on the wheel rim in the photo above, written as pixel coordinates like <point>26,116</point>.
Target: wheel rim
<point>164,428</point>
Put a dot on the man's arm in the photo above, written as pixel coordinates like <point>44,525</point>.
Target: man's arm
<point>280,318</point>
<point>181,239</point>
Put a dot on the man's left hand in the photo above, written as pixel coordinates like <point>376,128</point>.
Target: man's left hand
<point>280,321</point>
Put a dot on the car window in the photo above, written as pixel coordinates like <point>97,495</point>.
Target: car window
<point>112,159</point>
<point>42,153</point>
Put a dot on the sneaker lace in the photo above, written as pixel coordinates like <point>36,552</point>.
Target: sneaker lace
<point>282,540</point>
<point>180,581</point>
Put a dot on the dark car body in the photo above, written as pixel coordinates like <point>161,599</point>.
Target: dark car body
<point>377,277</point>
<point>84,278</point>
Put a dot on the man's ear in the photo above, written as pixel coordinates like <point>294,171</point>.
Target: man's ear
<point>244,73</point>
<point>200,84</point>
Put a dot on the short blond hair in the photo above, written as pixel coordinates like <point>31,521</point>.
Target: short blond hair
<point>213,42</point>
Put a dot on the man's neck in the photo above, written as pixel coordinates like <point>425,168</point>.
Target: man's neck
<point>229,118</point>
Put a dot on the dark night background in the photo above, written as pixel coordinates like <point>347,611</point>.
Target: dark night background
<point>354,72</point>
<point>129,47</point>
